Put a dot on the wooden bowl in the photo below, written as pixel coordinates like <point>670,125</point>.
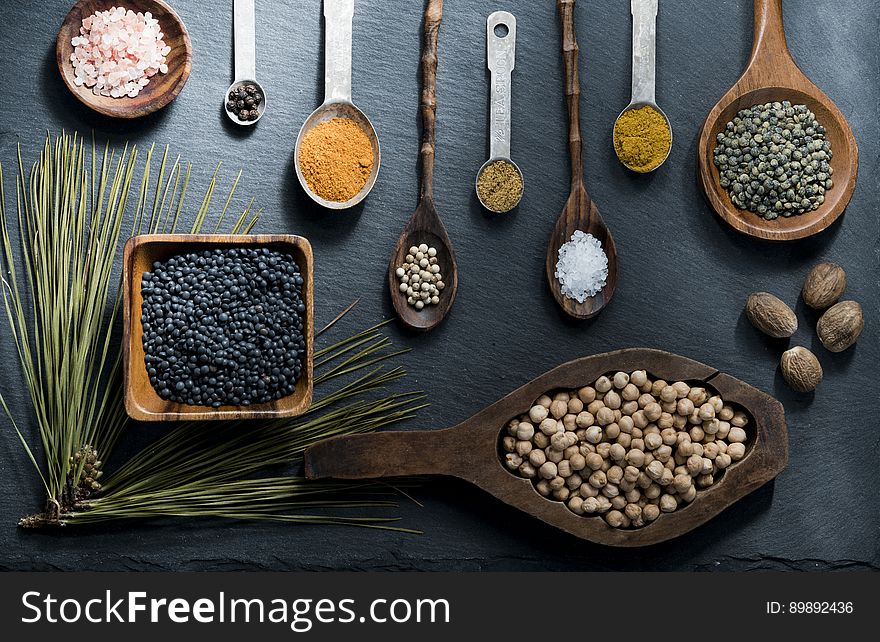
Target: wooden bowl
<point>162,88</point>
<point>142,402</point>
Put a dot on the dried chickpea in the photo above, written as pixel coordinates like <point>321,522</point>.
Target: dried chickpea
<point>594,461</point>
<point>629,408</point>
<point>588,491</point>
<point>561,396</point>
<point>537,414</point>
<point>668,407</point>
<point>513,461</point>
<point>706,480</point>
<point>621,380</point>
<point>541,440</point>
<point>612,400</point>
<point>544,400</point>
<point>639,419</point>
<point>658,386</point>
<point>638,444</point>
<point>630,392</point>
<point>523,448</point>
<point>668,394</point>
<point>547,470</point>
<point>574,481</point>
<point>561,494</point>
<point>681,389</point>
<point>650,512</point>
<point>604,416</point>
<point>557,482</point>
<point>697,433</point>
<point>679,422</point>
<point>717,404</point>
<point>587,394</point>
<point>655,470</point>
<point>603,384</point>
<point>593,434</point>
<point>537,457</point>
<point>707,466</point>
<point>665,420</point>
<point>584,419</point>
<point>598,479</point>
<point>645,399</point>
<point>604,449</point>
<point>617,452</point>
<point>684,407</point>
<point>710,451</point>
<point>737,435</point>
<point>690,494</point>
<point>682,482</point>
<point>590,505</point>
<point>669,436</point>
<point>644,481</point>
<point>525,431</point>
<point>663,453</point>
<point>595,407</point>
<point>626,486</point>
<point>624,440</point>
<point>508,444</point>
<point>577,461</point>
<point>576,505</point>
<point>618,502</point>
<point>633,495</point>
<point>612,431</point>
<point>571,451</point>
<point>638,378</point>
<point>653,491</point>
<point>736,451</point>
<point>723,430</point>
<point>575,405</point>
<point>527,470</point>
<point>549,426</point>
<point>614,474</point>
<point>695,464</point>
<point>653,441</point>
<point>569,422</point>
<point>563,468</point>
<point>633,511</point>
<point>635,458</point>
<point>726,413</point>
<point>543,487</point>
<point>698,396</point>
<point>626,425</point>
<point>723,460</point>
<point>668,503</point>
<point>558,408</point>
<point>614,519</point>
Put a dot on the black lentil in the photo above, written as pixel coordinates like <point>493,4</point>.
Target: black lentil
<point>774,159</point>
<point>224,327</point>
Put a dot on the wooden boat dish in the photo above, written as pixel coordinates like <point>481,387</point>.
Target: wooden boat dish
<point>141,401</point>
<point>772,75</point>
<point>470,450</point>
<point>162,88</point>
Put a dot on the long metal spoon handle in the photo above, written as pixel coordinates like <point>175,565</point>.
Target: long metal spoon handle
<point>245,39</point>
<point>338,16</point>
<point>644,14</point>
<point>501,56</point>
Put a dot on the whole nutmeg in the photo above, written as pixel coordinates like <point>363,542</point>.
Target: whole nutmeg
<point>824,286</point>
<point>771,315</point>
<point>840,326</point>
<point>801,369</point>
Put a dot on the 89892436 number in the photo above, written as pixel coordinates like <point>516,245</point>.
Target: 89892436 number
<point>820,608</point>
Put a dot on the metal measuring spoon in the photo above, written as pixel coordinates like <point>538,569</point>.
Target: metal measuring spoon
<point>338,15</point>
<point>501,56</point>
<point>245,46</point>
<point>644,58</point>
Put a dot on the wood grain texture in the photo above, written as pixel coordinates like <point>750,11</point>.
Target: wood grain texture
<point>772,75</point>
<point>141,401</point>
<point>425,225</point>
<point>580,212</point>
<point>470,450</point>
<point>162,88</point>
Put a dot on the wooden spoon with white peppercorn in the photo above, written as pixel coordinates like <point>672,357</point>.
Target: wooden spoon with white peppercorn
<point>580,212</point>
<point>425,226</point>
<point>772,75</point>
<point>470,451</point>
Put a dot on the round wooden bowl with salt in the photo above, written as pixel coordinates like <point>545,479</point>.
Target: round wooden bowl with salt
<point>161,89</point>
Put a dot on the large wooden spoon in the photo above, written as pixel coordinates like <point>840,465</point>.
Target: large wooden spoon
<point>580,212</point>
<point>470,451</point>
<point>772,75</point>
<point>425,225</point>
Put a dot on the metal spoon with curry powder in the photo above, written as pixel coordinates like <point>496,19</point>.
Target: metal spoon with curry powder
<point>644,51</point>
<point>338,15</point>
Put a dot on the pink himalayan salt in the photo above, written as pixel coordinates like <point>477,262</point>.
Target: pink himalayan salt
<point>118,51</point>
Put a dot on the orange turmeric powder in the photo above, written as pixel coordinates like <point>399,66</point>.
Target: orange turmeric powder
<point>336,159</point>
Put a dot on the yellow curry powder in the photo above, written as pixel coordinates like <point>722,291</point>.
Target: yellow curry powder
<point>336,159</point>
<point>642,138</point>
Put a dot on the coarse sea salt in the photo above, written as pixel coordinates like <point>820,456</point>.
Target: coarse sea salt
<point>118,51</point>
<point>582,267</point>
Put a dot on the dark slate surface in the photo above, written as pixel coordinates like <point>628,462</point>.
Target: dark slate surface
<point>684,275</point>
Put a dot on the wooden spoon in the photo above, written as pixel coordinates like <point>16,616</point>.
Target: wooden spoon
<point>580,212</point>
<point>772,75</point>
<point>425,225</point>
<point>470,451</point>
<point>162,88</point>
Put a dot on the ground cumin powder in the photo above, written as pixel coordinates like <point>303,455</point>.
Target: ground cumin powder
<point>642,139</point>
<point>336,159</point>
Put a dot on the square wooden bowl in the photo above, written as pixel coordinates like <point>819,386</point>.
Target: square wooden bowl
<point>142,402</point>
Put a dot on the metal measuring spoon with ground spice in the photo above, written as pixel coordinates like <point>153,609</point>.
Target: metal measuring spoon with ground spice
<point>337,150</point>
<point>500,181</point>
<point>642,133</point>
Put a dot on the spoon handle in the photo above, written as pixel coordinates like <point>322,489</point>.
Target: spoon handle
<point>644,13</point>
<point>769,39</point>
<point>428,107</point>
<point>570,53</point>
<point>338,15</point>
<point>385,454</point>
<point>501,56</point>
<point>244,39</point>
